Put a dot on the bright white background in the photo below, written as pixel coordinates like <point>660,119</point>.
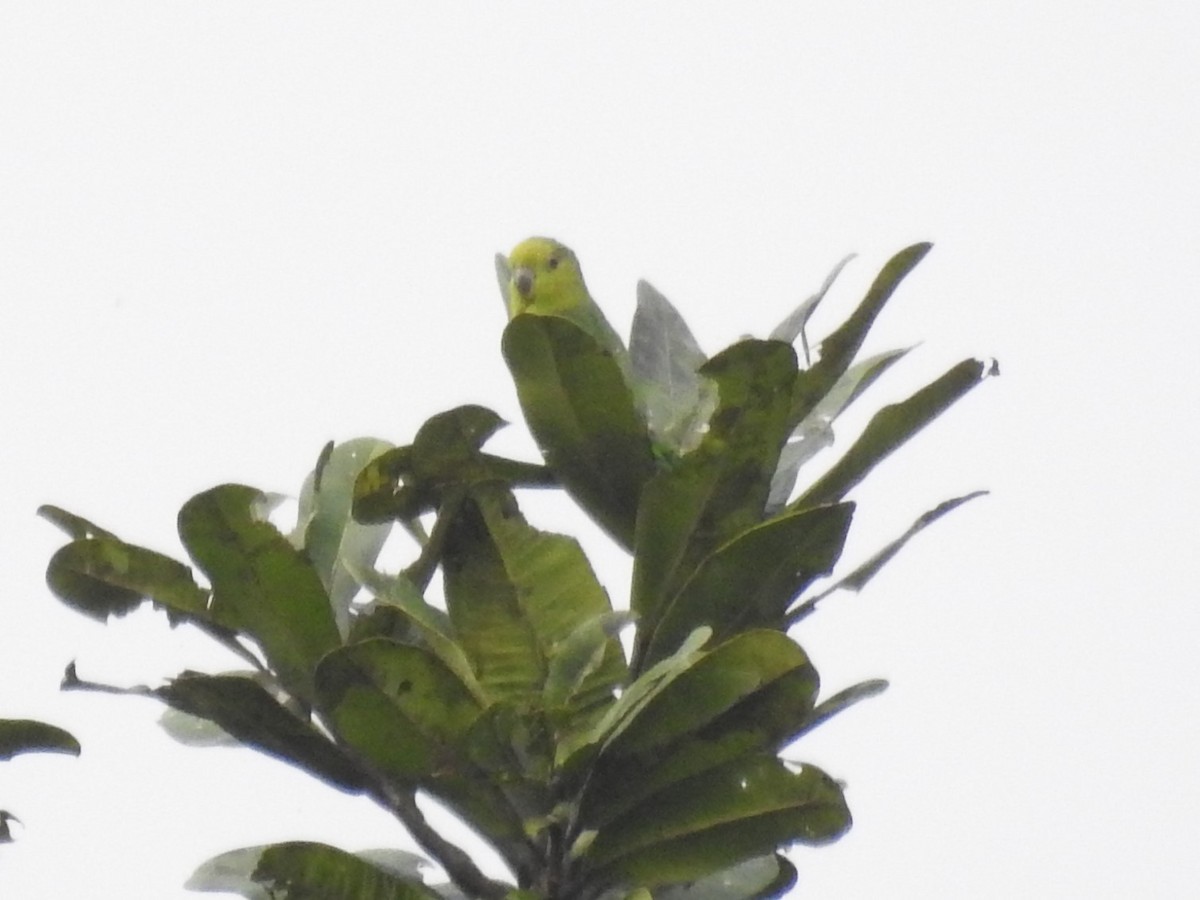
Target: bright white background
<point>230,232</point>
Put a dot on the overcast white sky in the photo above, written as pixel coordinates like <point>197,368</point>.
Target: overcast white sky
<point>230,232</point>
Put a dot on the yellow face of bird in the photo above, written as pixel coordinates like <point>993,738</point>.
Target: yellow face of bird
<point>546,278</point>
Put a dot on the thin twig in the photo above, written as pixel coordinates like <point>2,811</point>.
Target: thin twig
<point>421,571</point>
<point>402,803</point>
<point>72,682</point>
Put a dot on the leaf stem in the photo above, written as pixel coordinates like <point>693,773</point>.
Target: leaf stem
<point>402,803</point>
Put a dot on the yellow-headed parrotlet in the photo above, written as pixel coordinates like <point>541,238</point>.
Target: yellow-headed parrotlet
<point>544,279</point>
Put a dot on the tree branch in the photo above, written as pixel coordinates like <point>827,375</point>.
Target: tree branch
<point>402,803</point>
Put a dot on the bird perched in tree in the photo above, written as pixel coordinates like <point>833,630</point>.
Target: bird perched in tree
<point>544,279</point>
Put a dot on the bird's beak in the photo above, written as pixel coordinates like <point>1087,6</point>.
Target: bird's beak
<point>522,279</point>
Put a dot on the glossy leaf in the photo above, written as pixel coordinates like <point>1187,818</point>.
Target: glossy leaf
<point>244,709</point>
<point>262,585</point>
<point>865,571</point>
<point>405,482</point>
<point>69,580</point>
<point>583,416</point>
<point>839,349</point>
<point>325,530</point>
<point>721,488</point>
<point>451,440</point>
<point>793,326</point>
<point>766,876</point>
<point>104,576</point>
<point>617,784</point>
<point>712,685</point>
<point>397,598</point>
<point>77,527</point>
<point>751,580</point>
<point>409,716</point>
<point>310,871</point>
<point>581,654</point>
<point>193,731</point>
<point>445,454</point>
<point>5,831</point>
<point>816,431</point>
<point>806,442</point>
<point>634,698</point>
<point>666,365</point>
<point>891,427</point>
<point>377,498</point>
<point>840,702</point>
<point>515,595</point>
<point>746,696</point>
<point>30,736</point>
<point>397,705</point>
<point>747,808</point>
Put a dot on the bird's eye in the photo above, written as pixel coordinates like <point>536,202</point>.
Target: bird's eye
<point>552,263</point>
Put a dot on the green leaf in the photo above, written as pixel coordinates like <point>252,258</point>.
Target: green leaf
<point>515,595</point>
<point>68,579</point>
<point>244,709</point>
<point>858,579</point>
<point>839,349</point>
<point>666,361</point>
<point>867,570</point>
<point>309,871</point>
<point>583,416</point>
<point>398,598</point>
<point>617,784</point>
<point>771,875</point>
<point>511,744</point>
<point>397,705</point>
<point>721,488</point>
<point>77,527</point>
<point>853,382</point>
<point>840,702</point>
<point>193,731</point>
<point>262,585</point>
<point>377,498</point>
<point>793,326</point>
<point>104,576</point>
<point>29,736</point>
<point>746,696</point>
<point>633,700</point>
<point>816,431</point>
<point>712,685</point>
<point>580,655</point>
<point>749,807</point>
<point>411,718</point>
<point>405,482</point>
<point>450,441</point>
<point>750,581</point>
<point>326,531</point>
<point>6,832</point>
<point>891,427</point>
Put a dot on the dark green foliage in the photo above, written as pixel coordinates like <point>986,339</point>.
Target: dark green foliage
<point>29,736</point>
<point>513,702</point>
<point>248,712</point>
<point>305,871</point>
<point>584,418</point>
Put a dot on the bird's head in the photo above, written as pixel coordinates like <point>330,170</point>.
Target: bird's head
<point>544,277</point>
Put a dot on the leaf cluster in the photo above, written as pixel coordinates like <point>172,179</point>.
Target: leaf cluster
<point>595,769</point>
<point>30,736</point>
